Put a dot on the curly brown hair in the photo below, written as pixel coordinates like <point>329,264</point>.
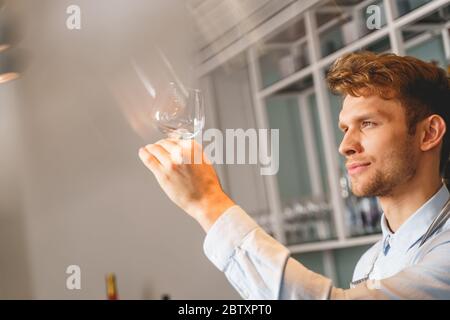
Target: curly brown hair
<point>422,88</point>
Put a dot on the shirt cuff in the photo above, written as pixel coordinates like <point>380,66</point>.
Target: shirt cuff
<point>227,233</point>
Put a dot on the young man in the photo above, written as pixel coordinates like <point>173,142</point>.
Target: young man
<point>396,145</point>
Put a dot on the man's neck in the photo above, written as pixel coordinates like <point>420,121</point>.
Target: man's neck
<point>406,199</point>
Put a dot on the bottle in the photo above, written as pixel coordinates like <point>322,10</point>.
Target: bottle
<point>111,287</point>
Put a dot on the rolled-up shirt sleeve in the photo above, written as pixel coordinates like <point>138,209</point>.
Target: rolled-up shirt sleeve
<point>255,264</point>
<point>259,267</point>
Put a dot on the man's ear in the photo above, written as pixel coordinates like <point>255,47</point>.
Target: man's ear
<point>433,129</point>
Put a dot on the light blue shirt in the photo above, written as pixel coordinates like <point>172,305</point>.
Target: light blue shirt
<point>259,267</point>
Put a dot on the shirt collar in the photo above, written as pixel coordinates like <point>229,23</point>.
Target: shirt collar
<point>413,229</point>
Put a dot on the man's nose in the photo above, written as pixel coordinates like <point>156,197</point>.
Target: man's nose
<point>350,144</point>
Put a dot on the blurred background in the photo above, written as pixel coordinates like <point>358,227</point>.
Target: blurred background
<point>74,109</point>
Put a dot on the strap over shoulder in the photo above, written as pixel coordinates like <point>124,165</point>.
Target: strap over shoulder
<point>438,222</point>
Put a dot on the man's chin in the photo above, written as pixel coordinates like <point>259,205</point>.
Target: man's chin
<point>362,188</point>
<point>361,193</point>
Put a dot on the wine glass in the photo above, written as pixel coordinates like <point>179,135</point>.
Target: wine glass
<point>178,111</point>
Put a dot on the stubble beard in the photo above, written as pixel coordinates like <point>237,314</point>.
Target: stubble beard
<point>401,167</point>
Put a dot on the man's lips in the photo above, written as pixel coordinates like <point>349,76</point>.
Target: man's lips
<point>354,168</point>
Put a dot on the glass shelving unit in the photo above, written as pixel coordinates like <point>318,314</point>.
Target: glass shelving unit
<point>303,188</point>
<point>283,54</point>
<point>310,207</point>
<point>341,23</point>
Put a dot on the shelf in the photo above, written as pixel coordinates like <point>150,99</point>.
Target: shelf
<point>295,33</point>
<point>286,52</point>
<point>298,75</point>
<point>365,41</point>
<point>334,244</point>
<point>286,82</point>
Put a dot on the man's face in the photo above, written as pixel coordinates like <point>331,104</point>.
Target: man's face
<point>380,154</point>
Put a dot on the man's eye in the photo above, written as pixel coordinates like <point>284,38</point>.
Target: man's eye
<point>366,124</point>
